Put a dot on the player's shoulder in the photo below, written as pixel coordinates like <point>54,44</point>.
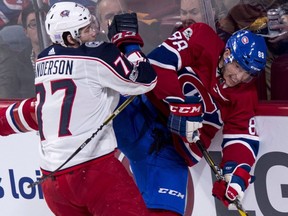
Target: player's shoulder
<point>200,32</point>
<point>95,49</point>
<point>243,92</point>
<point>99,49</point>
<point>199,26</point>
<point>58,50</point>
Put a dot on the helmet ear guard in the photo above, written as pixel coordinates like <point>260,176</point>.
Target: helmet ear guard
<point>66,17</point>
<point>249,50</point>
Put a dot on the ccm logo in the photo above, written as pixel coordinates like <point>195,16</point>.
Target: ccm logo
<point>184,110</point>
<point>171,192</point>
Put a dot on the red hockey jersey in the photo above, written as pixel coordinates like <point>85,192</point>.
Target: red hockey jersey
<point>187,64</point>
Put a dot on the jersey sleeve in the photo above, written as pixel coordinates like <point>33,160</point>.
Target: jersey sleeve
<point>18,117</point>
<point>116,71</point>
<point>240,138</point>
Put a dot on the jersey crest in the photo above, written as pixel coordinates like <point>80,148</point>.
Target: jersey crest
<point>93,44</point>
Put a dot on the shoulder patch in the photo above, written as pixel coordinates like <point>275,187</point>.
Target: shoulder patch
<point>93,44</point>
<point>188,33</point>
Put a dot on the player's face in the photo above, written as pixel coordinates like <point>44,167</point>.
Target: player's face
<point>190,12</point>
<point>89,32</point>
<point>234,74</point>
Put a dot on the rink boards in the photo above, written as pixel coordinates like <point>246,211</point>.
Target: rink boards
<point>267,196</point>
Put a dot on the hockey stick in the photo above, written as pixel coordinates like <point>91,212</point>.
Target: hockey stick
<point>217,172</point>
<point>110,118</point>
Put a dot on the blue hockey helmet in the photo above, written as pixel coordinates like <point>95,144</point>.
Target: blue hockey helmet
<point>248,50</point>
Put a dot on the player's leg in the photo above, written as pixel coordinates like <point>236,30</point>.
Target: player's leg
<point>162,180</point>
<point>114,191</point>
<point>103,187</point>
<point>59,197</point>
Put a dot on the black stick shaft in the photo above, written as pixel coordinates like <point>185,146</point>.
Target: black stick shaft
<point>217,172</point>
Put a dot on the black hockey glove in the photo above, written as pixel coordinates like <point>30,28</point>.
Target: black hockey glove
<point>123,22</point>
<point>124,30</point>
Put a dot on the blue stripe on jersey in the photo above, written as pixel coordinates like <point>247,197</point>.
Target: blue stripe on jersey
<point>12,118</point>
<point>167,57</point>
<point>254,144</point>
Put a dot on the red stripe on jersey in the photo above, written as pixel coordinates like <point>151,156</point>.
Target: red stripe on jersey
<point>4,125</point>
<point>120,76</point>
<point>29,113</point>
<point>238,153</point>
<point>17,118</point>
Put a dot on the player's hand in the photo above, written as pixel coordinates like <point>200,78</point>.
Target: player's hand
<point>127,38</point>
<point>237,179</point>
<point>124,30</point>
<point>122,23</point>
<point>219,191</point>
<point>185,116</point>
<point>283,36</point>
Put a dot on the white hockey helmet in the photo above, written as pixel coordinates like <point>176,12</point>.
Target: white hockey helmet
<point>66,17</point>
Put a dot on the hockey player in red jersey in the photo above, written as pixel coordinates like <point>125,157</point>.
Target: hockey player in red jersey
<point>204,85</point>
<point>78,86</point>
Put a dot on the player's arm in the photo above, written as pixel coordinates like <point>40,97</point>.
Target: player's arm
<point>18,117</point>
<point>123,32</point>
<point>240,148</point>
<point>186,113</point>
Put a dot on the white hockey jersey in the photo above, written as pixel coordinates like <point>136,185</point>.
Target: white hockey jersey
<point>77,89</point>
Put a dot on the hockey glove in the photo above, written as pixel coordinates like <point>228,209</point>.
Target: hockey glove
<point>123,31</point>
<point>122,23</point>
<point>237,179</point>
<point>185,116</point>
<point>127,38</point>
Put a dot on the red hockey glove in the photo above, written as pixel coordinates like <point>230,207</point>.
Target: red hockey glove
<point>127,38</point>
<point>185,116</point>
<point>237,179</point>
<point>219,191</point>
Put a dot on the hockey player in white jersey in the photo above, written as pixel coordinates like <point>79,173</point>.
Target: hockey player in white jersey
<point>78,83</point>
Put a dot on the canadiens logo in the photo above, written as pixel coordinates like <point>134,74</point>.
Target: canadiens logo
<point>245,40</point>
<point>65,13</point>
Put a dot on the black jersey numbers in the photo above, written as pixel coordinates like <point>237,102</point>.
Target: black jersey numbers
<point>40,91</point>
<point>68,89</point>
